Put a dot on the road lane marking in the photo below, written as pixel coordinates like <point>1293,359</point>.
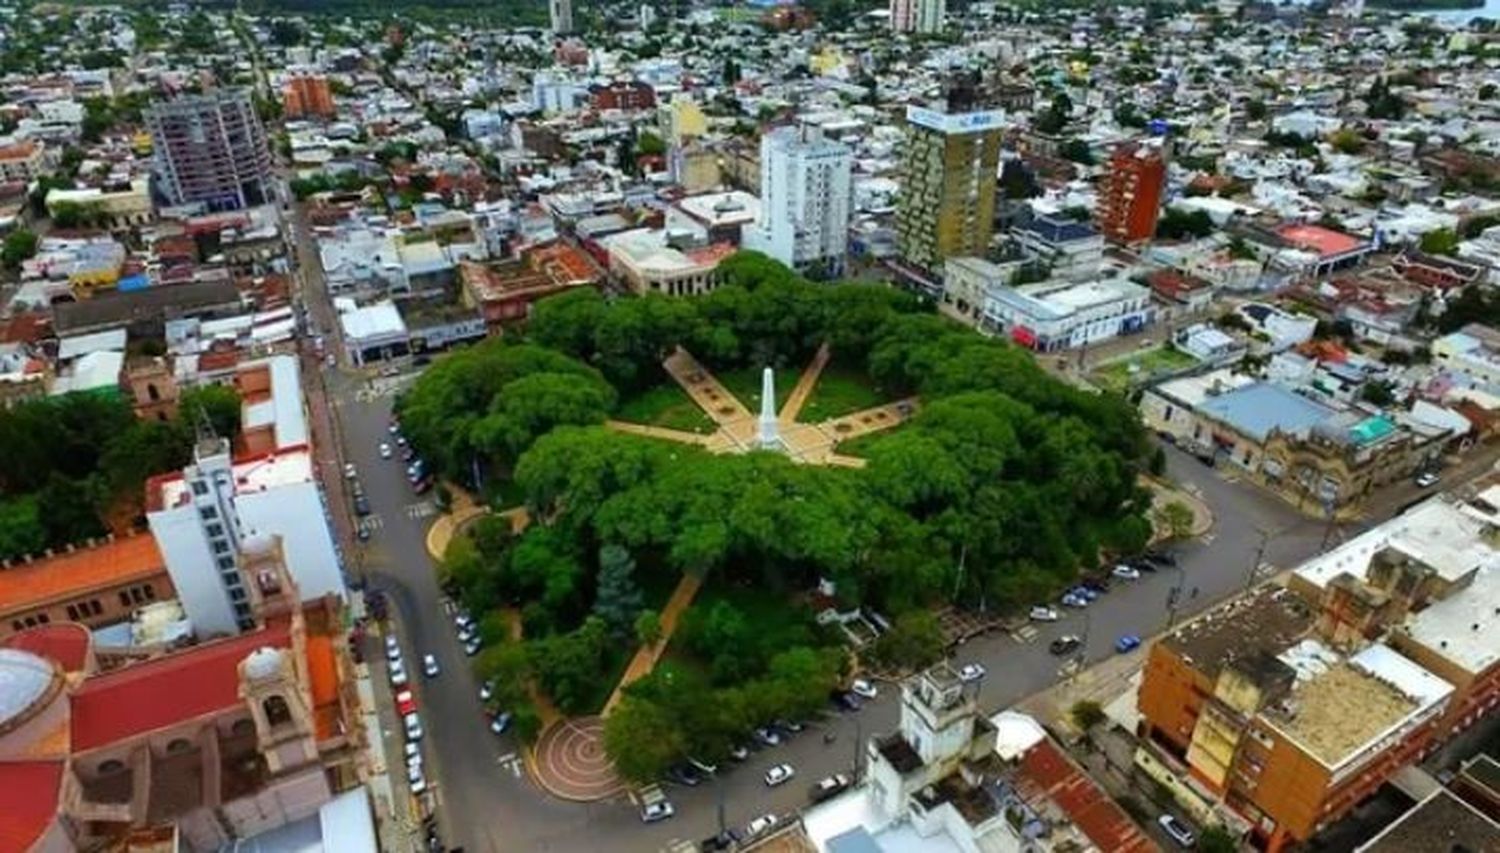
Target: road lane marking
<point>421,510</point>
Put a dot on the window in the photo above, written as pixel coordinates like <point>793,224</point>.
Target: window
<point>226,562</point>
<point>220,546</point>
<point>208,513</point>
<point>149,591</point>
<point>215,529</point>
<point>17,625</point>
<point>277,711</point>
<point>95,607</point>
<point>73,611</point>
<point>200,487</point>
<point>124,598</point>
<point>237,594</point>
<point>43,619</point>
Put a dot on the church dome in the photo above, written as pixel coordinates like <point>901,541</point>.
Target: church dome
<point>26,682</point>
<point>263,663</point>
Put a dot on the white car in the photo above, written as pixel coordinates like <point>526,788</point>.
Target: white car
<point>419,786</point>
<point>350,471</point>
<point>1130,573</point>
<point>779,774</point>
<point>1426,480</point>
<point>971,672</point>
<point>1043,613</point>
<point>413,753</point>
<point>760,824</point>
<point>863,688</point>
<point>1177,830</point>
<point>385,450</point>
<point>413,773</point>
<point>398,673</point>
<point>657,811</point>
<point>413,725</point>
<point>465,634</point>
<point>392,648</point>
<point>430,666</point>
<point>487,690</point>
<point>472,647</point>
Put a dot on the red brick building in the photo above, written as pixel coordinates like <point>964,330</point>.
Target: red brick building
<point>622,95</point>
<point>307,95</point>
<point>1130,195</point>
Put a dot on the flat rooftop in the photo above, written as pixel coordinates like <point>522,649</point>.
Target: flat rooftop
<point>1263,623</point>
<point>1260,407</point>
<point>1439,824</point>
<point>1463,627</point>
<point>1338,711</point>
<point>1436,533</point>
<point>252,475</point>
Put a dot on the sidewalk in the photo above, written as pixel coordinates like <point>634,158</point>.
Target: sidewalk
<point>805,385</point>
<point>646,656</point>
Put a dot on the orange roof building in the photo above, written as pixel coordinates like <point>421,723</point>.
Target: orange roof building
<point>96,586</point>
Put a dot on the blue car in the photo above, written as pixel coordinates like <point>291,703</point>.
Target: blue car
<point>1127,643</point>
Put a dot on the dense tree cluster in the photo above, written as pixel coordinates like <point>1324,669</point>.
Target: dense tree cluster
<point>77,463</point>
<point>994,494</point>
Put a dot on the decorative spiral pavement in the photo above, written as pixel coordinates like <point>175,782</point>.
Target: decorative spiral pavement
<point>571,763</point>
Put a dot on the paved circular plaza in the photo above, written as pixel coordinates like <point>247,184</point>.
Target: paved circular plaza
<point>570,761</point>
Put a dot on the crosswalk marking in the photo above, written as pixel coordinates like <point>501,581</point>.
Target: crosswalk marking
<point>511,763</point>
<point>372,522</point>
<point>421,510</point>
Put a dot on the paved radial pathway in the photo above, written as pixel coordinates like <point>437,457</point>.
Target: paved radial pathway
<point>571,764</point>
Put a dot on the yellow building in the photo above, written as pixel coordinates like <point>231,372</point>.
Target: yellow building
<point>684,119</point>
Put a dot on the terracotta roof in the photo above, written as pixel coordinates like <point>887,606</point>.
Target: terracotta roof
<point>159,693</point>
<point>322,672</point>
<point>26,328</point>
<point>1090,809</point>
<point>44,581</point>
<point>1325,241</point>
<point>66,643</point>
<point>29,792</point>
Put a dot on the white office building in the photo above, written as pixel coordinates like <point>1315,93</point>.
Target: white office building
<point>805,193</point>
<point>562,16</point>
<point>1058,315</point>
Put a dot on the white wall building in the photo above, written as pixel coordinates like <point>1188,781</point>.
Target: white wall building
<point>200,516</point>
<point>805,193</point>
<point>918,16</point>
<point>1059,315</point>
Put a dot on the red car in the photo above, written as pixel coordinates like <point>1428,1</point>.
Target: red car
<point>405,703</point>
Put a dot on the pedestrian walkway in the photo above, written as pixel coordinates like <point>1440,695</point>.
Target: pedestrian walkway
<point>713,398</point>
<point>646,656</point>
<point>677,435</point>
<point>792,408</point>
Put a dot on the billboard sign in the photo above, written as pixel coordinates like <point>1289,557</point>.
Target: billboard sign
<point>975,122</point>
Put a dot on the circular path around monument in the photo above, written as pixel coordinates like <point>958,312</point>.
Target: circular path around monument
<point>571,763</point>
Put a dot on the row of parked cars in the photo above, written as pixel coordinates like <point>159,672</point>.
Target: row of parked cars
<point>406,709</point>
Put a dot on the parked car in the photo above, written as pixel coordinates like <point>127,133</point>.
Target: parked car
<point>487,690</point>
<point>739,752</point>
<point>760,824</point>
<point>1072,599</point>
<point>971,672</point>
<point>779,774</point>
<point>413,724</point>
<point>1043,613</point>
<point>350,471</point>
<point>413,772</point>
<point>846,700</point>
<point>385,450</point>
<point>790,726</point>
<point>392,647</point>
<point>829,786</point>
<point>1086,592</point>
<point>413,753</point>
<point>397,672</point>
<point>465,634</point>
<point>361,505</point>
<point>1177,830</point>
<point>472,647</point>
<point>463,621</point>
<point>1127,643</point>
<point>405,702</point>
<point>654,812</point>
<point>863,688</point>
<point>767,737</point>
<point>1427,479</point>
<point>683,774</point>
<point>430,666</point>
<point>1064,644</point>
<point>1130,573</point>
<point>500,722</point>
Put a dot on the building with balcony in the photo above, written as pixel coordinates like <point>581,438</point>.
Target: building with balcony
<point>1271,723</point>
<point>210,150</point>
<point>805,194</point>
<point>1130,195</point>
<point>949,169</point>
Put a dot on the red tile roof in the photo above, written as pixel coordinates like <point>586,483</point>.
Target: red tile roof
<point>1090,809</point>
<point>30,790</point>
<point>156,694</point>
<point>127,559</point>
<point>66,643</point>
<point>1325,241</point>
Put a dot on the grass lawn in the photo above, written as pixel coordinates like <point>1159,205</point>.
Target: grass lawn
<point>840,390</point>
<point>665,405</point>
<point>745,384</point>
<point>1118,375</point>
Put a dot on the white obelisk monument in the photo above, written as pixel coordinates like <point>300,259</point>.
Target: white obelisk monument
<point>770,433</point>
